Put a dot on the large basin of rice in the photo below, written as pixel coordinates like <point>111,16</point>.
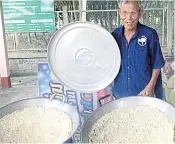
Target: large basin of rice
<point>35,125</point>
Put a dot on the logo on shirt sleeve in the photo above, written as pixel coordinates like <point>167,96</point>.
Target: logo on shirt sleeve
<point>142,41</point>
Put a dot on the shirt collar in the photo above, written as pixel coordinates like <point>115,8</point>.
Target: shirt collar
<point>121,32</point>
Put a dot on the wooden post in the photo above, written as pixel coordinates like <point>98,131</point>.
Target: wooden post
<point>4,66</point>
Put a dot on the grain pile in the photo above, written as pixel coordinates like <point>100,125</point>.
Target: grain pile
<point>35,125</point>
<point>140,124</point>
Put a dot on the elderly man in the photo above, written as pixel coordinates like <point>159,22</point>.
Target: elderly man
<point>141,56</point>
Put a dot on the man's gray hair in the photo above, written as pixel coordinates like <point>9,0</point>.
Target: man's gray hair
<point>125,1</point>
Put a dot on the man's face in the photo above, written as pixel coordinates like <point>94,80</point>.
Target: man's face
<point>130,13</point>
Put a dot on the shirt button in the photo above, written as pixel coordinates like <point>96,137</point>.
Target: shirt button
<point>128,67</point>
<point>128,78</point>
<point>128,56</point>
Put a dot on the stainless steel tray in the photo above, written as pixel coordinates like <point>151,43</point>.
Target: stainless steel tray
<point>163,106</point>
<point>20,105</point>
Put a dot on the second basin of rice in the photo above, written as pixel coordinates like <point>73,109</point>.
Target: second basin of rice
<point>138,125</point>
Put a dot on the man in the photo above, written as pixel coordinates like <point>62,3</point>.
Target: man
<point>141,56</point>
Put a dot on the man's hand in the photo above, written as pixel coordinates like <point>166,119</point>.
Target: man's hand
<point>148,91</point>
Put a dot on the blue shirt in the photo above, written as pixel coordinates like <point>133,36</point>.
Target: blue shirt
<point>138,58</point>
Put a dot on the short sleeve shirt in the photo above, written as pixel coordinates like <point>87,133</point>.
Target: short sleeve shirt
<point>139,57</point>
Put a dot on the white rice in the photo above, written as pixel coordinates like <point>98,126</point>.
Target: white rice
<point>35,125</point>
<point>140,124</point>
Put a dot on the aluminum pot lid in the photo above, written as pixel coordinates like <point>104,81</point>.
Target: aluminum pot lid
<point>84,56</point>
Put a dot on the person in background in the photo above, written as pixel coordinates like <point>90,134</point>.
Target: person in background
<point>170,83</point>
<point>141,56</point>
<point>168,69</point>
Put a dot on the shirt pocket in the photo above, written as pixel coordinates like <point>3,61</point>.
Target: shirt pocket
<point>141,57</point>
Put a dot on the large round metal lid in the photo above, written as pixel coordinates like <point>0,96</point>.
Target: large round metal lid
<point>84,56</point>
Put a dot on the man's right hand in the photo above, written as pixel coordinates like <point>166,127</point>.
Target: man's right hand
<point>148,91</point>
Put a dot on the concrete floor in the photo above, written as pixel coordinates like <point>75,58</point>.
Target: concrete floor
<point>22,87</point>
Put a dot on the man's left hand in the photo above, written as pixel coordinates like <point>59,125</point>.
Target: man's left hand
<point>148,91</point>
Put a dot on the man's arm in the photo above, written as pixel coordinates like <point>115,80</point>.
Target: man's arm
<point>154,77</point>
<point>149,89</point>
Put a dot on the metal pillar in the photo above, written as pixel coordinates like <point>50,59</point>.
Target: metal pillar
<point>84,3</point>
<point>82,8</point>
<point>174,28</point>
<point>65,15</point>
<point>169,27</point>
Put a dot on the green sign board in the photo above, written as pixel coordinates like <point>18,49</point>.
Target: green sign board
<point>29,15</point>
